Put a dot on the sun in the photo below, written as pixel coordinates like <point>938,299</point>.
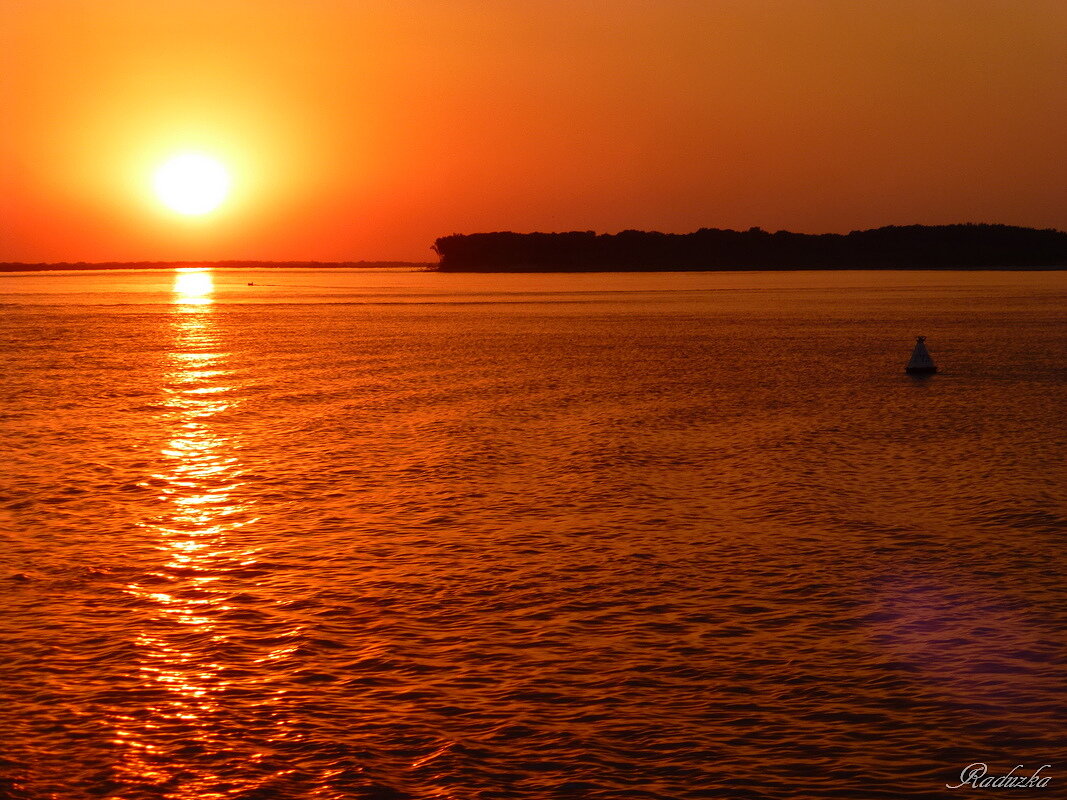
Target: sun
<point>192,184</point>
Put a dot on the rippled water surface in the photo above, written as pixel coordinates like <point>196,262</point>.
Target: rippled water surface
<point>410,535</point>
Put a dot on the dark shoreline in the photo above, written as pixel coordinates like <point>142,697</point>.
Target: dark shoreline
<point>606,270</point>
<point>952,247</point>
<point>431,267</point>
<point>967,247</point>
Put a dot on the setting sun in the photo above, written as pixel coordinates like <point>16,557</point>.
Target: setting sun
<point>192,184</point>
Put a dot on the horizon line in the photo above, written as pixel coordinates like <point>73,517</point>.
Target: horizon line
<point>168,263</point>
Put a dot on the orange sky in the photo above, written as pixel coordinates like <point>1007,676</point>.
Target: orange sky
<point>363,130</point>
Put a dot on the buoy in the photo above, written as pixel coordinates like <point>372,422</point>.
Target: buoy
<point>920,363</point>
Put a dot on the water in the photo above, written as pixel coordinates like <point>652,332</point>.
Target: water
<point>406,535</point>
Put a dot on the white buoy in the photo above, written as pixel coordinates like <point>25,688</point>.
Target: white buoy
<point>920,363</point>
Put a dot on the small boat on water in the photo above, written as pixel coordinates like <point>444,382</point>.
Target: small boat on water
<point>920,363</point>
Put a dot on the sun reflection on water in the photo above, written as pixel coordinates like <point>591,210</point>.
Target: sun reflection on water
<point>194,286</point>
<point>197,529</point>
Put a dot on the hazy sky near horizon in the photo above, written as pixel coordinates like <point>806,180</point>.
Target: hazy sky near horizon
<point>364,130</point>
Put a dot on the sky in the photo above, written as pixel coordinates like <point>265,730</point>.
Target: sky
<point>364,130</point>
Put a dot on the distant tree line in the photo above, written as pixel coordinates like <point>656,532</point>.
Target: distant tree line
<point>892,247</point>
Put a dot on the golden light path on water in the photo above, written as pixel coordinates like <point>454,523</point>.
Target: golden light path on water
<point>202,509</point>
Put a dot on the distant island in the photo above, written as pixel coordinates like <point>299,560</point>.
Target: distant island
<point>967,246</point>
<point>16,266</point>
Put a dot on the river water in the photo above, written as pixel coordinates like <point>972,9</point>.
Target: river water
<point>350,534</point>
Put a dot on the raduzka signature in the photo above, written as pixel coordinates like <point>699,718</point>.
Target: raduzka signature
<point>975,775</point>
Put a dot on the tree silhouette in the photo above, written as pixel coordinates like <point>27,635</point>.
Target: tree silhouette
<point>893,247</point>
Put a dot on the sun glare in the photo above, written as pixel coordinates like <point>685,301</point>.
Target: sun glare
<point>192,184</point>
<point>193,287</point>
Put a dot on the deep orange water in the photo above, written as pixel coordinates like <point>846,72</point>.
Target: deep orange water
<point>408,535</point>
